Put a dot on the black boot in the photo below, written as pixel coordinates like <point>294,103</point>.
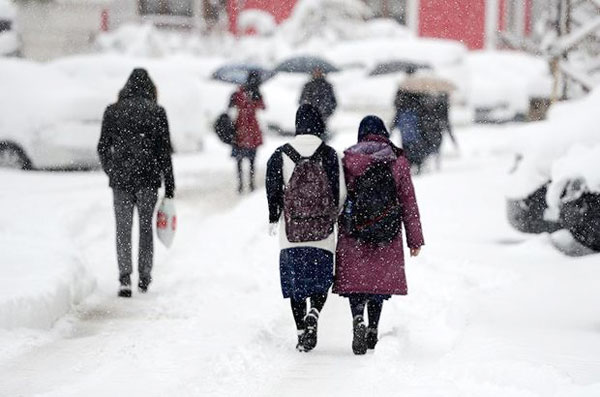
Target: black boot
<point>359,341</point>
<point>310,335</point>
<point>125,287</point>
<point>300,345</point>
<point>143,285</point>
<point>371,338</point>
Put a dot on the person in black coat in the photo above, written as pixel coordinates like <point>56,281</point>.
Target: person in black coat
<point>135,152</point>
<point>409,118</point>
<point>319,93</point>
<point>436,122</point>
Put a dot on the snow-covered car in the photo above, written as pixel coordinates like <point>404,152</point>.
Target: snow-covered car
<point>550,171</point>
<point>178,81</point>
<point>528,214</point>
<point>367,91</point>
<point>502,83</point>
<point>9,44</point>
<point>47,120</point>
<point>575,194</point>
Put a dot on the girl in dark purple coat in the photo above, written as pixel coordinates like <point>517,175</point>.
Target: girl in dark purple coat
<point>369,273</point>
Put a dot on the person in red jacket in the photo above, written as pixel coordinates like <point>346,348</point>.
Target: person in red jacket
<point>247,100</point>
<point>370,272</point>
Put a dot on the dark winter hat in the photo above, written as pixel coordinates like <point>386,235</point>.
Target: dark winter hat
<point>309,121</point>
<point>139,85</point>
<point>372,125</point>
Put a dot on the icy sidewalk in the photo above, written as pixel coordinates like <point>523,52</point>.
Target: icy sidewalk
<point>490,312</point>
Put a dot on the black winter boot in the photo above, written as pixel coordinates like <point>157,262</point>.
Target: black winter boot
<point>125,287</point>
<point>310,336</point>
<point>359,341</point>
<point>300,345</point>
<point>143,285</point>
<point>371,338</point>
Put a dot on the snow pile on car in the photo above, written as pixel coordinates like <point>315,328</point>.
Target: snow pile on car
<point>34,96</point>
<point>540,144</point>
<point>507,79</point>
<point>177,79</point>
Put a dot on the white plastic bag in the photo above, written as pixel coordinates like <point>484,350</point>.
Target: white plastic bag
<point>166,222</point>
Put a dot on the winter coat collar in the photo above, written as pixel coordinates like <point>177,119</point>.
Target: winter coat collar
<point>372,149</point>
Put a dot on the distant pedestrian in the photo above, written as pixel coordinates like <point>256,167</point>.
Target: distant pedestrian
<point>319,93</point>
<point>409,121</point>
<point>369,257</point>
<point>135,152</point>
<point>305,186</point>
<point>436,123</point>
<point>247,100</point>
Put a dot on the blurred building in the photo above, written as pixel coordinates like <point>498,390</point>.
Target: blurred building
<point>477,23</point>
<point>52,28</point>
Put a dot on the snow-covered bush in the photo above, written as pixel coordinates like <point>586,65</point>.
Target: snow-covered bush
<point>325,19</point>
<point>257,21</point>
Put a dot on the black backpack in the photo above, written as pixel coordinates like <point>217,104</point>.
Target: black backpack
<point>225,129</point>
<point>372,211</point>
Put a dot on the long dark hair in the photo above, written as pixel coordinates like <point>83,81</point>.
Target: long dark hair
<point>252,85</point>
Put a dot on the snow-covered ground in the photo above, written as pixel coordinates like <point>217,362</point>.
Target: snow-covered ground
<point>490,311</point>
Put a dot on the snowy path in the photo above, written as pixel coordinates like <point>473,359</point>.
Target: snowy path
<point>490,311</point>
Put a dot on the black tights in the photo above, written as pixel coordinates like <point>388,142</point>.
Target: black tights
<point>240,172</point>
<point>374,307</point>
<point>299,308</point>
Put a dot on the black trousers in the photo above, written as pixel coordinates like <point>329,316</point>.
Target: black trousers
<point>240,155</point>
<point>374,308</point>
<point>299,308</point>
<point>124,203</point>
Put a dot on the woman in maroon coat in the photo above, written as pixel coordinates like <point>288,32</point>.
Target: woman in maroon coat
<point>247,99</point>
<point>369,273</point>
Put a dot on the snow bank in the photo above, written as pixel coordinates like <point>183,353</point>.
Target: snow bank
<point>41,281</point>
<point>42,273</point>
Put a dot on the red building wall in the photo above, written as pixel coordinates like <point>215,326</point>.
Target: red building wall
<point>280,9</point>
<point>462,20</point>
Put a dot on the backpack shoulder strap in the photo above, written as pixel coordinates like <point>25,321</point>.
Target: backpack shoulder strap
<point>320,152</point>
<point>291,153</point>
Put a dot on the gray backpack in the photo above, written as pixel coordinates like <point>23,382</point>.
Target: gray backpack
<point>308,204</point>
